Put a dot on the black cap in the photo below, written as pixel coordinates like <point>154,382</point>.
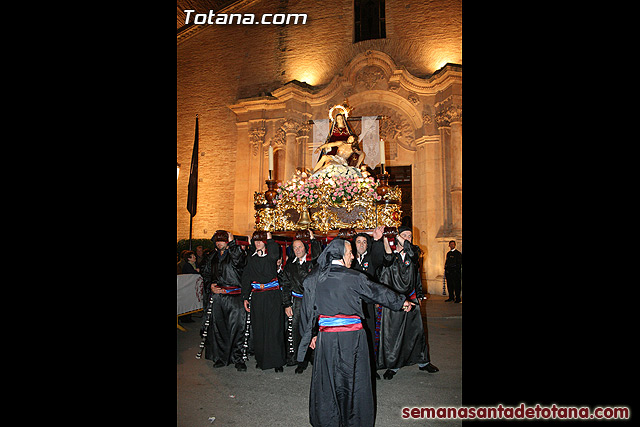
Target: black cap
<point>220,236</point>
<point>403,228</point>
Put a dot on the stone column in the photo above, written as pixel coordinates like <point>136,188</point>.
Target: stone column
<point>442,119</point>
<point>290,128</point>
<point>302,148</point>
<point>257,141</point>
<point>451,118</point>
<point>243,195</point>
<point>302,139</point>
<point>290,159</point>
<point>455,112</point>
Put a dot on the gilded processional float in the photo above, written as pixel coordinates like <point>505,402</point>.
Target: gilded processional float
<point>338,193</point>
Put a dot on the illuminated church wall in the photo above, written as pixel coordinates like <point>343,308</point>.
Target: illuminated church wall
<point>225,74</point>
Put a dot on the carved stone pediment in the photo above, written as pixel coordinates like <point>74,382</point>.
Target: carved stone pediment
<point>370,76</point>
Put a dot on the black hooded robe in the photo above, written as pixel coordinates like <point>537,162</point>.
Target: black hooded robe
<point>341,393</point>
<point>292,279</point>
<point>225,335</point>
<point>369,265</point>
<point>402,339</point>
<point>267,313</point>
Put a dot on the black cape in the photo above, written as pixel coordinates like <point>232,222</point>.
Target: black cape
<point>402,340</point>
<point>294,273</point>
<point>341,392</point>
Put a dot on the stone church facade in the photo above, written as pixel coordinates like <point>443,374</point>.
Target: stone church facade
<point>256,86</point>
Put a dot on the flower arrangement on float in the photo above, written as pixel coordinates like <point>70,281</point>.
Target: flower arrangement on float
<point>337,183</point>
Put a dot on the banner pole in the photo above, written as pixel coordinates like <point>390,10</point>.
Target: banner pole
<point>190,230</point>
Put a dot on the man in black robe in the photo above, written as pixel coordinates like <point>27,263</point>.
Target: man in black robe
<point>293,275</point>
<point>263,298</point>
<point>453,272</point>
<point>221,273</point>
<point>369,254</point>
<point>402,338</point>
<point>341,393</point>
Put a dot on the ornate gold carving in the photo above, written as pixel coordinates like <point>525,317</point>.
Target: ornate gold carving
<point>333,201</point>
<point>393,194</point>
<point>323,220</point>
<point>258,198</point>
<point>389,214</point>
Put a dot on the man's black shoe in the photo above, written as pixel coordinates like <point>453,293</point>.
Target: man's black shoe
<point>219,364</point>
<point>299,369</point>
<point>377,376</point>
<point>388,374</point>
<point>280,369</point>
<point>448,300</point>
<point>457,301</point>
<point>429,368</point>
<point>241,367</point>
